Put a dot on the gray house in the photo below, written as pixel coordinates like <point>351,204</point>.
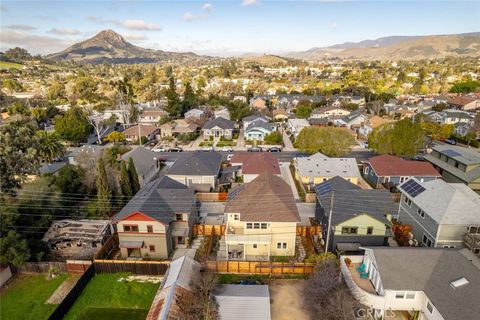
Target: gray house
<point>145,161</point>
<point>440,213</point>
<point>200,170</point>
<point>359,217</point>
<point>218,127</point>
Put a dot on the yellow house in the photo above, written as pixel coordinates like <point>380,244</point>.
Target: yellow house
<point>261,227</point>
<point>318,168</point>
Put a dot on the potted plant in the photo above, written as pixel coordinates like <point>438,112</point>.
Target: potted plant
<point>348,261</point>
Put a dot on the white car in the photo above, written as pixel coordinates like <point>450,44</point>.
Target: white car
<point>229,157</point>
<point>226,149</point>
<point>206,149</point>
<point>159,149</point>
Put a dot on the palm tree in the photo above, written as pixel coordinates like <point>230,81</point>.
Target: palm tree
<point>50,146</point>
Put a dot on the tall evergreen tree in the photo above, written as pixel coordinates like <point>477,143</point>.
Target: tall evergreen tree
<point>125,182</point>
<point>103,190</point>
<point>173,102</point>
<point>189,98</point>
<point>132,174</point>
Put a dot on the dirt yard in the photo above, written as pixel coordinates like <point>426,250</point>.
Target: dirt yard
<point>286,298</point>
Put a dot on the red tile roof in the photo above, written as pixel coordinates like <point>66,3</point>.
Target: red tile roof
<point>256,163</point>
<point>387,165</point>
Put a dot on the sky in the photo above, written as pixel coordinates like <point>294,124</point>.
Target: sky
<point>228,27</point>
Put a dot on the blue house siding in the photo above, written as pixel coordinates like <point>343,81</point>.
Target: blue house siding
<point>376,181</point>
<point>370,175</point>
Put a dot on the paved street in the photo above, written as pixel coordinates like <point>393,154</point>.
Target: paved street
<point>288,143</point>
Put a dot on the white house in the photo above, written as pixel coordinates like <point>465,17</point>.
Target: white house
<point>297,125</point>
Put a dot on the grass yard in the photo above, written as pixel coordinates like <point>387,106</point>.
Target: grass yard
<point>106,298</point>
<point>8,65</point>
<point>25,297</point>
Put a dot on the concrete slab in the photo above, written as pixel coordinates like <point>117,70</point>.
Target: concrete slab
<point>287,176</point>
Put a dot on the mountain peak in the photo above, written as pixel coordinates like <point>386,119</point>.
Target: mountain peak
<point>109,37</point>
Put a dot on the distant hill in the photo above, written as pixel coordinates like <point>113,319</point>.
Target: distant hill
<point>268,59</point>
<point>399,47</point>
<point>109,46</point>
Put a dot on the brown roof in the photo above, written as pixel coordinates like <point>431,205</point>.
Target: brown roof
<point>461,101</point>
<point>387,165</point>
<point>144,130</point>
<point>377,121</point>
<point>278,112</point>
<point>276,203</point>
<point>256,163</point>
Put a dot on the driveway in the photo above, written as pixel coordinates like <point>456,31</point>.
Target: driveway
<point>306,211</point>
<point>287,142</point>
<point>240,141</point>
<point>195,144</point>
<point>287,176</point>
<point>287,300</point>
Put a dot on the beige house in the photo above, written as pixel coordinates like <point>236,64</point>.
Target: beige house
<point>157,220</point>
<point>280,115</point>
<point>151,116</point>
<point>147,131</point>
<point>258,228</point>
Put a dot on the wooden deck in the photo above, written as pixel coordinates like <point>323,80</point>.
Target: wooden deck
<point>364,284</point>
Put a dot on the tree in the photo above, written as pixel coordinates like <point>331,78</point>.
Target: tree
<point>403,138</point>
<point>115,137</point>
<point>13,249</point>
<point>351,107</point>
<point>18,154</point>
<point>303,109</point>
<point>56,92</point>
<point>189,98</point>
<point>12,85</point>
<point>125,183</point>
<point>103,190</point>
<point>173,102</point>
<point>17,54</point>
<point>73,126</point>
<point>124,96</point>
<point>132,174</point>
<point>273,138</point>
<point>70,180</point>
<point>18,108</point>
<point>333,142</point>
<point>465,86</point>
<point>437,131</point>
<point>49,146</point>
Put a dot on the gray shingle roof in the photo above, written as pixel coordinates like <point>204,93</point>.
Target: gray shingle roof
<point>197,164</point>
<point>432,270</point>
<point>143,158</point>
<point>314,166</point>
<point>160,199</point>
<point>219,122</point>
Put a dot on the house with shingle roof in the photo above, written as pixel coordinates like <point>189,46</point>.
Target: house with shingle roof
<point>145,161</point>
<point>218,127</point>
<point>148,131</point>
<point>157,220</point>
<point>357,217</point>
<point>260,227</point>
<point>258,129</point>
<point>440,213</point>
<point>465,103</point>
<point>253,164</point>
<point>389,171</point>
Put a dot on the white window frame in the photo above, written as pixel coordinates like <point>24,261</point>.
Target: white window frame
<point>254,246</point>
<point>410,295</point>
<point>430,310</point>
<point>421,213</point>
<point>400,295</point>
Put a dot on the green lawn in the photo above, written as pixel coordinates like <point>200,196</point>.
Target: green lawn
<point>8,65</point>
<point>115,298</point>
<point>25,297</point>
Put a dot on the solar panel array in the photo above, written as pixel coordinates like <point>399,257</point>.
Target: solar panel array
<point>235,192</point>
<point>412,188</point>
<point>451,153</point>
<point>323,188</point>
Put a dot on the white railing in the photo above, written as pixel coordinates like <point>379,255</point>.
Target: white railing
<point>243,239</point>
<point>364,297</point>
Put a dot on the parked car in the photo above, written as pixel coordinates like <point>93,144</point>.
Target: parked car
<point>274,149</point>
<point>206,149</point>
<point>226,149</point>
<point>159,149</point>
<point>254,149</point>
<point>450,141</point>
<point>229,157</point>
<point>175,149</point>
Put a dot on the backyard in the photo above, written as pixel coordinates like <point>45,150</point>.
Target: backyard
<point>105,297</point>
<point>25,297</point>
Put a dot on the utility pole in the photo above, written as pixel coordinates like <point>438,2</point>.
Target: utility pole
<point>139,136</point>
<point>329,222</point>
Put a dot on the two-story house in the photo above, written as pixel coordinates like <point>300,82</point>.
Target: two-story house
<point>157,220</point>
<point>252,164</point>
<point>258,228</point>
<point>456,164</point>
<point>389,171</point>
<point>151,116</point>
<point>356,217</point>
<point>414,283</point>
<point>440,213</point>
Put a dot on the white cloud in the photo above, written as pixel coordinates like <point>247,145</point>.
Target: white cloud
<point>249,2</point>
<point>207,6</point>
<point>137,25</point>
<point>33,43</point>
<point>134,36</point>
<point>333,25</point>
<point>64,31</point>
<point>188,16</point>
<point>23,27</point>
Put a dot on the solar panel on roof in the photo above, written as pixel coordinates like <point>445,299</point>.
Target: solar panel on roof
<point>235,192</point>
<point>451,153</point>
<point>323,188</point>
<point>412,188</point>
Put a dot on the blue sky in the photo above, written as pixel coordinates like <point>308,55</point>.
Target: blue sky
<point>231,26</point>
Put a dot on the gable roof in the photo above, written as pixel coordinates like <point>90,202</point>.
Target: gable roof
<point>349,201</point>
<point>143,158</point>
<point>255,117</point>
<point>256,163</point>
<point>462,100</point>
<point>160,199</point>
<point>276,204</point>
<point>388,165</point>
<point>259,124</point>
<point>197,164</point>
<point>321,165</point>
<point>447,203</point>
<point>219,122</point>
<point>145,130</point>
<point>431,270</point>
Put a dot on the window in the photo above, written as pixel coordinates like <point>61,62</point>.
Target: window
<point>456,164</point>
<point>151,248</point>
<point>281,245</point>
<point>256,226</point>
<point>249,225</point>
<point>263,226</point>
<point>410,295</point>
<point>179,217</point>
<point>421,213</point>
<point>130,228</point>
<point>349,230</point>
<point>365,170</point>
<point>448,247</point>
<point>284,245</point>
<point>399,295</point>
<point>429,307</point>
<point>427,242</point>
<point>403,179</point>
<point>408,201</point>
<point>370,230</point>
<point>236,217</point>
<point>474,229</point>
<point>254,246</point>
<point>150,229</point>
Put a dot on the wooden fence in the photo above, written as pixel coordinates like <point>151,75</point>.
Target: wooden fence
<point>305,231</point>
<point>41,267</point>
<point>212,196</point>
<point>254,267</point>
<point>108,247</point>
<point>208,230</point>
<point>78,266</point>
<point>135,267</point>
<point>310,197</point>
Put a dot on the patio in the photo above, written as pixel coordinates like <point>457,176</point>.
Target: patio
<point>363,284</point>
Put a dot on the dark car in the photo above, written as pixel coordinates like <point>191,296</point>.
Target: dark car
<point>274,149</point>
<point>175,149</point>
<point>254,149</point>
<point>450,141</point>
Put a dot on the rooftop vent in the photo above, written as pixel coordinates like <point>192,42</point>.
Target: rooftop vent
<point>458,283</point>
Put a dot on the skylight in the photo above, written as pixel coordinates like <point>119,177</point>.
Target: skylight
<point>458,283</point>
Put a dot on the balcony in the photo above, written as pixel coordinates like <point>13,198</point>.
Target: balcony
<point>237,236</point>
<point>362,289</point>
